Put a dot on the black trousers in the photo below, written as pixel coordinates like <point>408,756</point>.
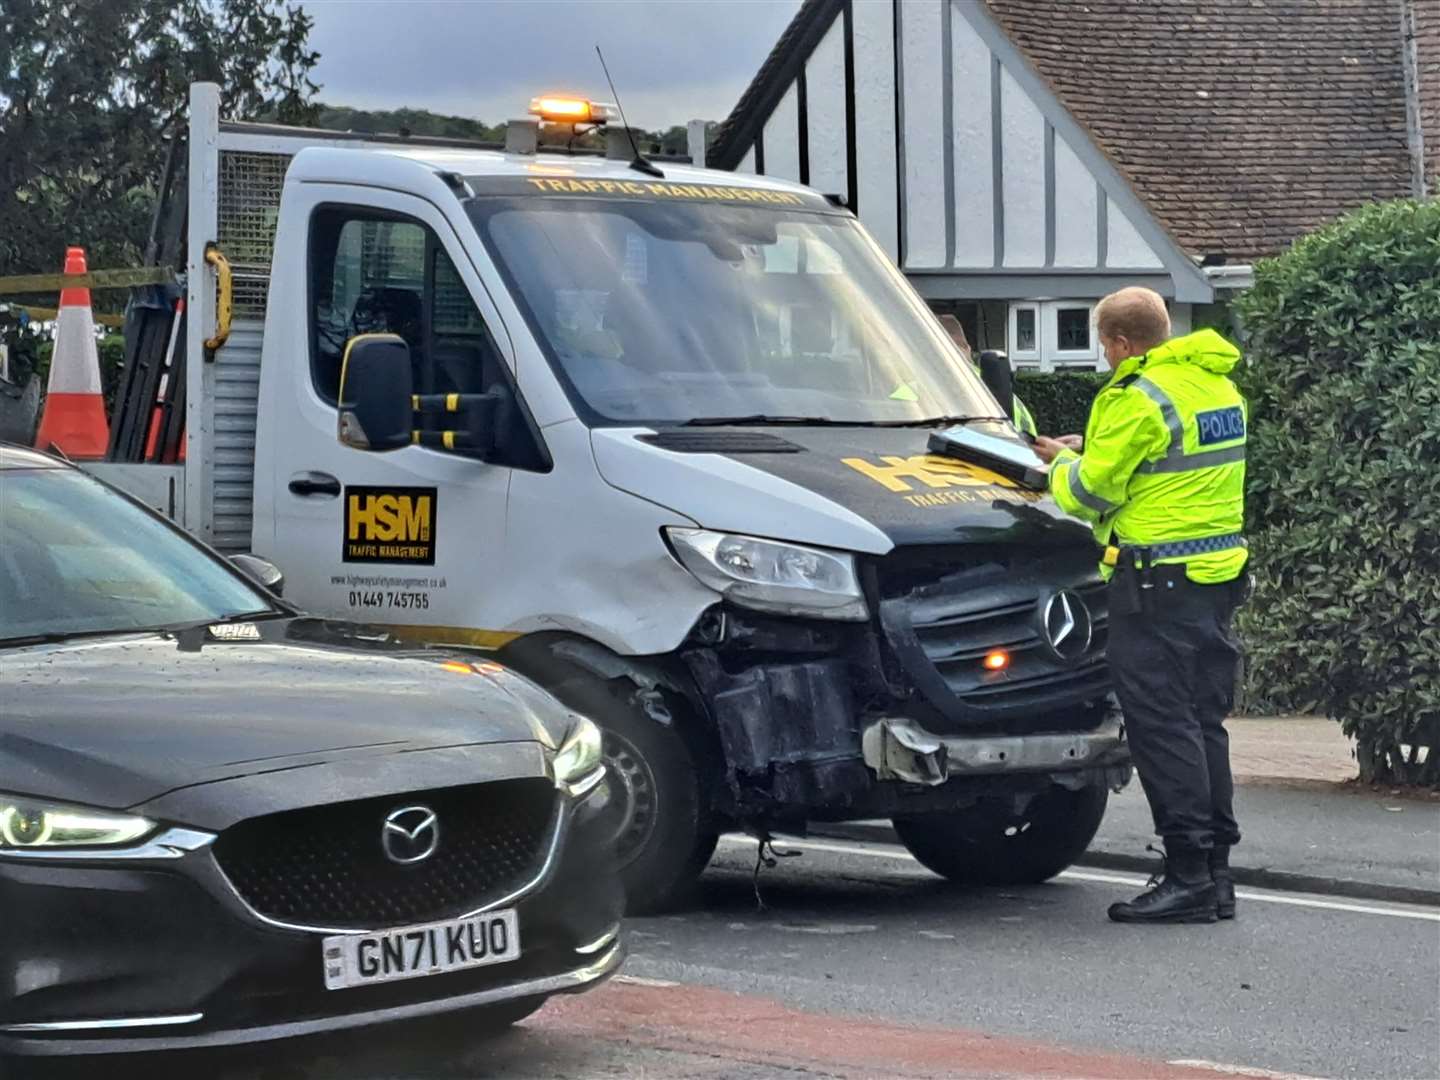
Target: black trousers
<point>1174,663</point>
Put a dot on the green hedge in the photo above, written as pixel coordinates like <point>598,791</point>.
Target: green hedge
<point>1343,375</point>
<point>1059,401</point>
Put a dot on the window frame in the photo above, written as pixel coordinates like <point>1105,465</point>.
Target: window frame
<point>1024,356</point>
<point>356,211</point>
<point>1071,357</point>
<point>544,463</point>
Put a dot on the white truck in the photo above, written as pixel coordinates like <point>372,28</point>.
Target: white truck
<point>656,438</point>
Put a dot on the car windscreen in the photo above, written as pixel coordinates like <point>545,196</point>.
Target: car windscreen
<point>665,312</point>
<point>76,558</point>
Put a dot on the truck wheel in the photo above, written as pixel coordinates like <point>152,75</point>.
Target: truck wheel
<point>988,844</point>
<point>663,835</point>
<point>659,813</point>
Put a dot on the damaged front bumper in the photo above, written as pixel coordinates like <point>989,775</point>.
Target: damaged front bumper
<point>900,749</point>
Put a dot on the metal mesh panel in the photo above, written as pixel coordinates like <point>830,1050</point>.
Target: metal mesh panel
<point>250,186</point>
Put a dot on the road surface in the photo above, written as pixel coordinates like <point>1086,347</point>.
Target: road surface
<point>862,964</point>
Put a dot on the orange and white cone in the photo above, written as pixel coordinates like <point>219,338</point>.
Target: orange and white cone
<point>74,418</point>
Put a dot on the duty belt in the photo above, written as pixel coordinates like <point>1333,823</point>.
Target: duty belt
<point>1175,549</point>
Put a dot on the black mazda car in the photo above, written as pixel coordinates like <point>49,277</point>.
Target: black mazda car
<point>224,822</point>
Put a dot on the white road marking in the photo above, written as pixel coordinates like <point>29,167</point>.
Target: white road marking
<point>640,980</point>
<point>895,854</point>
<point>1237,1070</point>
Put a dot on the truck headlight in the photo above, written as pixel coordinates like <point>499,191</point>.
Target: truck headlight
<point>578,764</point>
<point>27,824</point>
<point>772,576</point>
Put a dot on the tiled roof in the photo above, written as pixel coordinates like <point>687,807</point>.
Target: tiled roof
<point>1242,124</point>
<point>1427,48</point>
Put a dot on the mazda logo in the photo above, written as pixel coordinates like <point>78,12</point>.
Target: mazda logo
<point>411,834</point>
<point>1065,625</point>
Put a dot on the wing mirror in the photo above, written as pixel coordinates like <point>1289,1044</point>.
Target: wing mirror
<point>262,572</point>
<point>376,388</point>
<point>995,373</point>
<point>379,409</point>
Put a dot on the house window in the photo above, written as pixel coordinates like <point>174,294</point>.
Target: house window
<point>1024,337</point>
<point>1074,339</point>
<point>1053,333</point>
<point>1073,329</point>
<point>1025,330</point>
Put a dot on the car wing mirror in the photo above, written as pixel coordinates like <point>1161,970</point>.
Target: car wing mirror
<point>376,393</point>
<point>262,572</point>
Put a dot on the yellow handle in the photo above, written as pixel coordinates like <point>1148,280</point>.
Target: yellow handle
<point>225,301</point>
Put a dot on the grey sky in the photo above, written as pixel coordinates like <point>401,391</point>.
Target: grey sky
<point>673,60</point>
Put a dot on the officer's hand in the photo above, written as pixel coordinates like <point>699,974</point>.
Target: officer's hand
<point>1072,442</point>
<point>1047,448</point>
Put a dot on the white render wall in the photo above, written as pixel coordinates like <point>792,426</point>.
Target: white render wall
<point>978,176</point>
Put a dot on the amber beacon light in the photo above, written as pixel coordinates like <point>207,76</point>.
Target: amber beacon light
<point>565,109</point>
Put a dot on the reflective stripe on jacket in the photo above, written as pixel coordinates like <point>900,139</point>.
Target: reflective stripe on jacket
<point>1164,458</point>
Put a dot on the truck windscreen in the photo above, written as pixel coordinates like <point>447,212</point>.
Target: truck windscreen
<point>666,312</point>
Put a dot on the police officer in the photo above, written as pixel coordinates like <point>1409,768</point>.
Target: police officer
<point>1161,480</point>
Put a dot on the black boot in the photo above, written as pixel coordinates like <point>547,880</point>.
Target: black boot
<point>1183,894</point>
<point>1224,882</point>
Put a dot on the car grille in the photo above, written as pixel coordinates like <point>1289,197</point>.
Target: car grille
<point>943,621</point>
<point>324,866</point>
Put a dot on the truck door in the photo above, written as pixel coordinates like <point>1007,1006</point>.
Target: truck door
<point>406,539</point>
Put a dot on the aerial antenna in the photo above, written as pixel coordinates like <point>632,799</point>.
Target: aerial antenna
<point>638,163</point>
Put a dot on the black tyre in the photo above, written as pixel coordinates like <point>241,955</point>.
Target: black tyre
<point>988,844</point>
<point>663,836</point>
<point>659,811</point>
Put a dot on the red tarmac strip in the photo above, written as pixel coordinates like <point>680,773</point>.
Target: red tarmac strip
<point>726,1027</point>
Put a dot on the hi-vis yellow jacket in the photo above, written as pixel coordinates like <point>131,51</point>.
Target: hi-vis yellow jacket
<point>1021,418</point>
<point>1164,459</point>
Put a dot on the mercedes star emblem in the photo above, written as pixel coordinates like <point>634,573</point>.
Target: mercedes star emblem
<point>411,834</point>
<point>1066,626</point>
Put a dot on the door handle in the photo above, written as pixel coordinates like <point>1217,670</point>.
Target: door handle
<point>314,483</point>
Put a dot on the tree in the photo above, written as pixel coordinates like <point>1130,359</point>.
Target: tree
<point>1343,374</point>
<point>90,92</point>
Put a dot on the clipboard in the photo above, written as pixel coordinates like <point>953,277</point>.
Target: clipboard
<point>1012,460</point>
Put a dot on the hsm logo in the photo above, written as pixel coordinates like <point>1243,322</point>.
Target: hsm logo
<point>934,475</point>
<point>391,524</point>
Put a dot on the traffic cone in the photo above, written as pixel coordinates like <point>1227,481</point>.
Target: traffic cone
<point>74,418</point>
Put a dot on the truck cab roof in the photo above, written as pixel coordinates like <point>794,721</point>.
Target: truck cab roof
<point>398,166</point>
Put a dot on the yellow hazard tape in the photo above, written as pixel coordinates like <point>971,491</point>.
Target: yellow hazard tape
<point>95,279</point>
<point>43,314</point>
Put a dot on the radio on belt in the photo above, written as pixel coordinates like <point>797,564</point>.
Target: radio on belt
<point>1012,460</point>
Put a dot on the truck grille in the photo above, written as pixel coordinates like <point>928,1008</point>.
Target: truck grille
<point>324,866</point>
<point>942,624</point>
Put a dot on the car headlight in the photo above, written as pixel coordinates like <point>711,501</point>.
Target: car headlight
<point>27,824</point>
<point>771,576</point>
<point>578,762</point>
